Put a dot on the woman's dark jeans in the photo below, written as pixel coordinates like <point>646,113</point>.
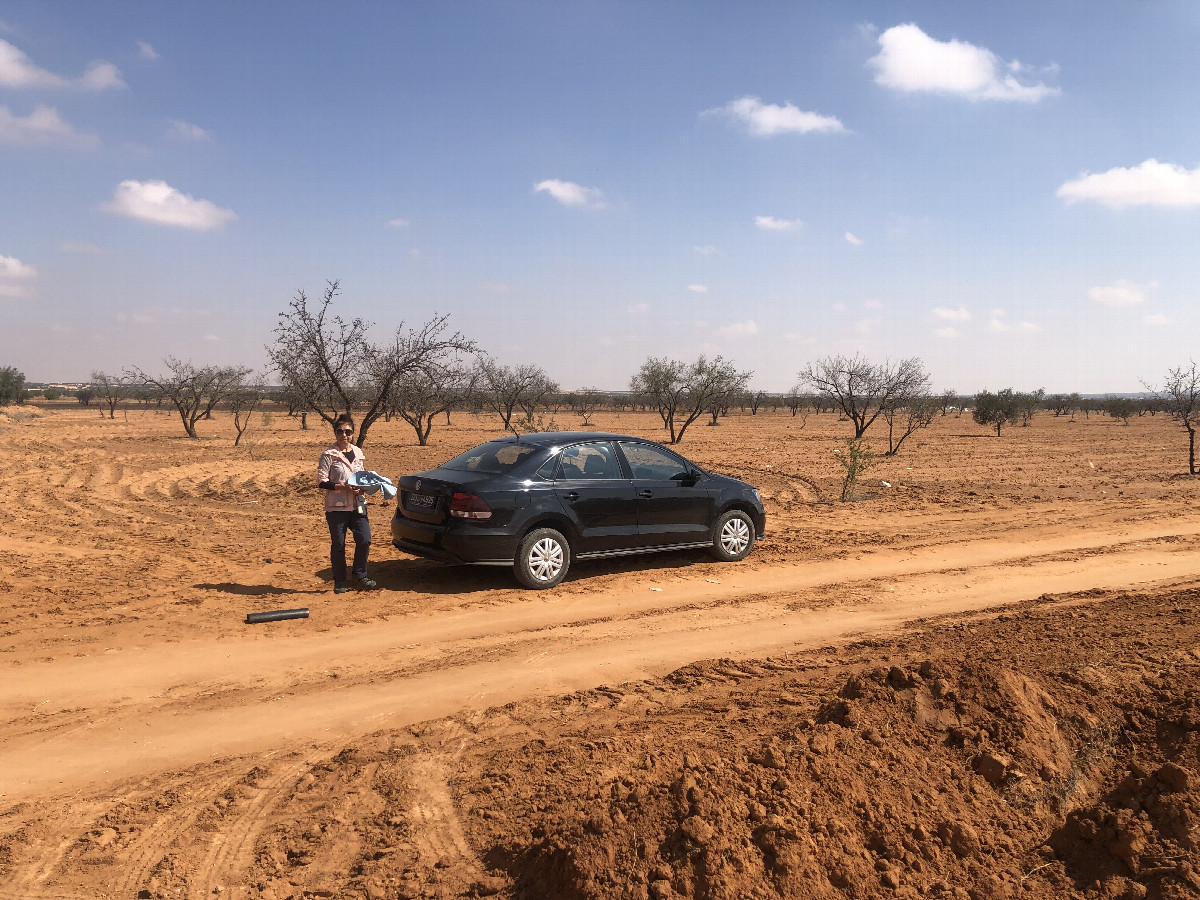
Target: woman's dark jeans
<point>359,526</point>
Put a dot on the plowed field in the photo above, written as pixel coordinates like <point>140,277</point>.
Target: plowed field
<point>981,678</point>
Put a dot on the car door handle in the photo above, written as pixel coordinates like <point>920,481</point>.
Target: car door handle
<point>572,495</point>
<point>646,494</point>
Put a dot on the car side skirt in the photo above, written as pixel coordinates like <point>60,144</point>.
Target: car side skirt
<point>634,551</point>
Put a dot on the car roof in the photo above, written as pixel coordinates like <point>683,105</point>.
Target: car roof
<point>558,438</point>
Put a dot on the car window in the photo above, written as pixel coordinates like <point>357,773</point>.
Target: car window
<point>592,461</point>
<point>653,463</point>
<point>494,457</point>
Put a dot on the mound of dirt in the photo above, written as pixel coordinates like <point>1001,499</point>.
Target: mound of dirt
<point>1054,767</point>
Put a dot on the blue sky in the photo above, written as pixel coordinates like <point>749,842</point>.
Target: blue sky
<point>1009,191</point>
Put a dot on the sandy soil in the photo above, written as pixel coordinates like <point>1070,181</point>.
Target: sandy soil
<point>981,679</point>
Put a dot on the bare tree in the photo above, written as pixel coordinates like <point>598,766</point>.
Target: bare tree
<point>903,418</point>
<point>799,403</point>
<point>111,389</point>
<point>681,392</point>
<point>244,397</point>
<point>586,401</point>
<point>193,392</point>
<point>1180,396</point>
<point>862,389</point>
<point>333,367</point>
<point>503,389</point>
<point>428,391</point>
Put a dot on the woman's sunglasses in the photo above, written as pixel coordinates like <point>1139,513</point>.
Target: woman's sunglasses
<point>345,431</point>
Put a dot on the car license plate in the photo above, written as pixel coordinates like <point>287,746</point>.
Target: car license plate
<point>421,501</point>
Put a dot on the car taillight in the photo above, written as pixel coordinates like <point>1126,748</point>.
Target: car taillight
<point>469,506</point>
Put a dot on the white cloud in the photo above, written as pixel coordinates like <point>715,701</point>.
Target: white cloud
<point>952,315</point>
<point>873,304</point>
<point>496,287</point>
<point>146,51</point>
<point>706,250</point>
<point>838,307</point>
<point>568,193</point>
<point>947,332</point>
<point>853,239</point>
<point>910,60</point>
<point>398,223</point>
<point>637,309</point>
<point>42,127</point>
<point>1157,319</point>
<point>738,329</point>
<point>15,290</point>
<point>698,288</point>
<point>997,325</point>
<point>770,223</point>
<point>1150,184</point>
<point>79,247</point>
<point>211,337</point>
<point>767,119</point>
<point>159,203</point>
<point>101,76</point>
<point>186,131</point>
<point>1121,292</point>
<point>11,267</point>
<point>17,70</point>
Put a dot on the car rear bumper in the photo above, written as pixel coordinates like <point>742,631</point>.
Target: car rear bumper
<point>445,545</point>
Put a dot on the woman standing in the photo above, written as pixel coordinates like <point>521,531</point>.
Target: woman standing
<point>345,505</point>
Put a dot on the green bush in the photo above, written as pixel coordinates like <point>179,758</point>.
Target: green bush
<point>12,386</point>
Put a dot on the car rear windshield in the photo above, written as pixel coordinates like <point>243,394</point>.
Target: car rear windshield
<point>494,457</point>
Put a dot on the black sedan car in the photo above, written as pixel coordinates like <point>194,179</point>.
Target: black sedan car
<point>538,502</point>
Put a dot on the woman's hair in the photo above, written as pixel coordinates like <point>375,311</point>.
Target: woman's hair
<point>343,419</point>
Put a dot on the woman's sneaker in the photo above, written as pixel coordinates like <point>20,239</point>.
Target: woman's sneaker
<point>366,583</point>
<point>340,589</point>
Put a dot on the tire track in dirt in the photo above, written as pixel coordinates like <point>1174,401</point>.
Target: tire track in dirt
<point>153,845</point>
<point>29,881</point>
<point>439,837</point>
<point>231,851</point>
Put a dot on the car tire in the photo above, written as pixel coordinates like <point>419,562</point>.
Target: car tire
<point>733,536</point>
<point>543,558</point>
